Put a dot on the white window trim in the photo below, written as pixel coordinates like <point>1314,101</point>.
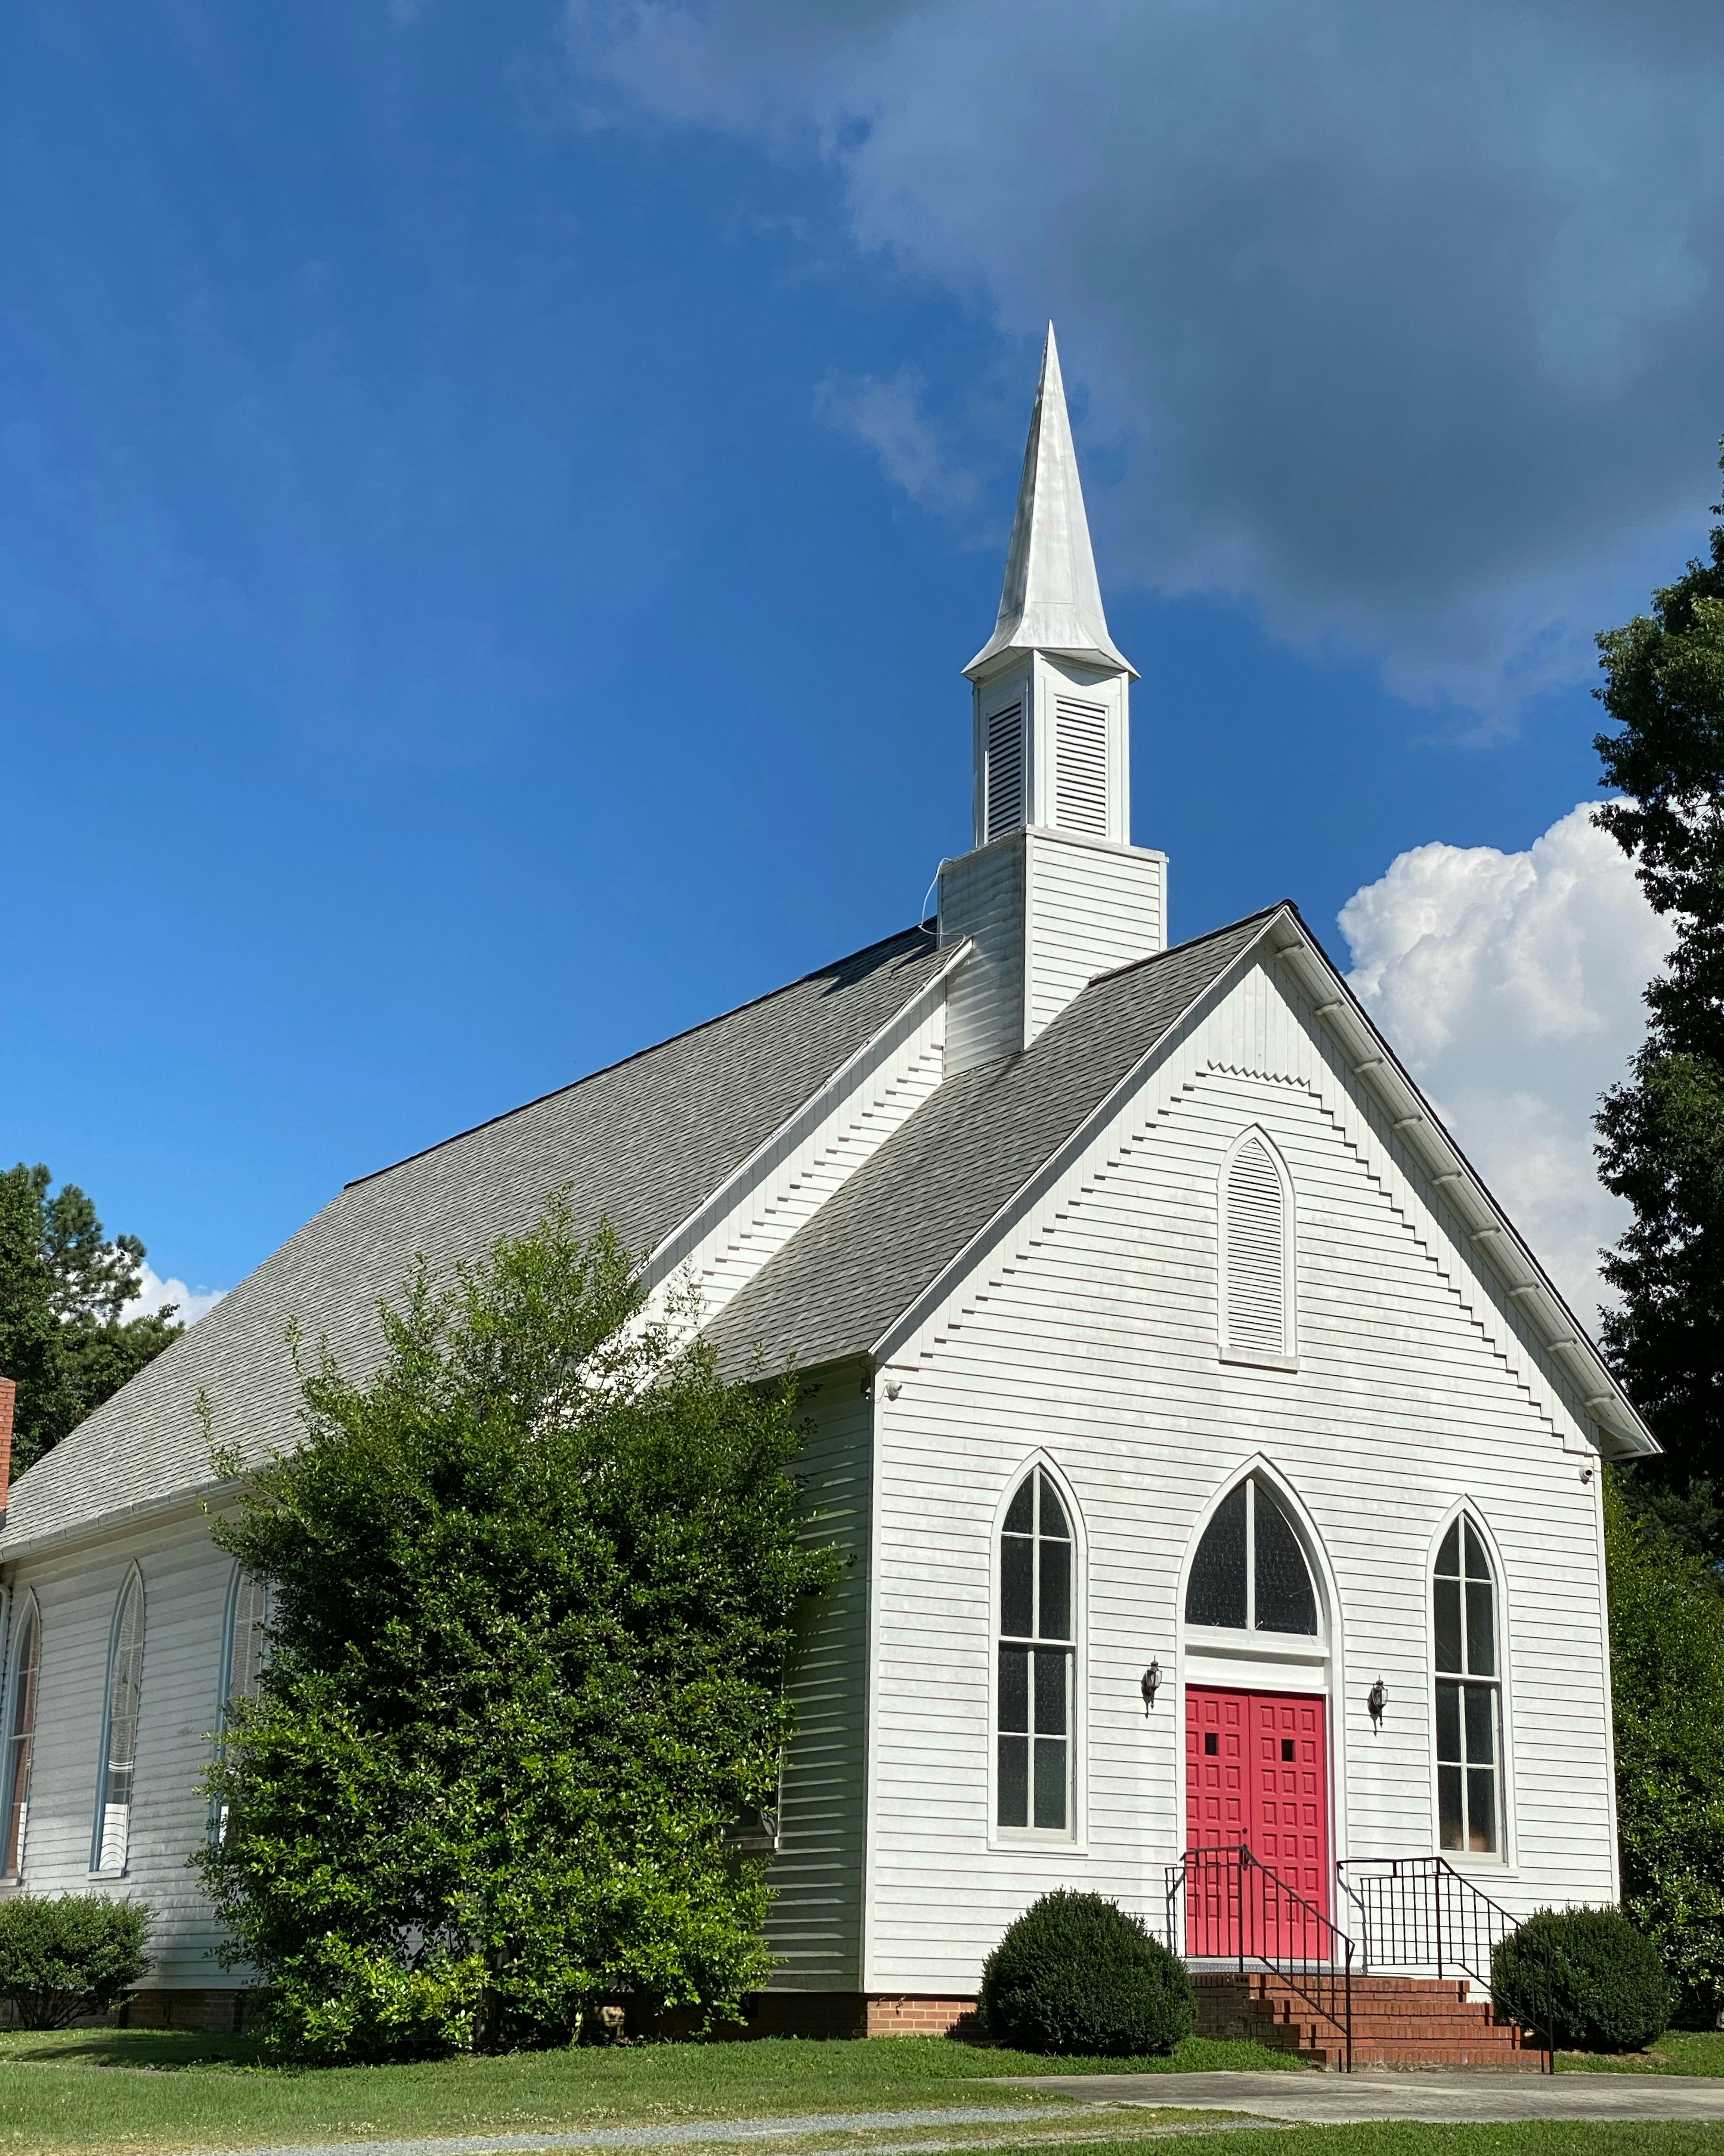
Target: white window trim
<point>1505,1864</point>
<point>1073,1838</point>
<point>134,1576</point>
<point>1250,1358</point>
<point>22,1607</point>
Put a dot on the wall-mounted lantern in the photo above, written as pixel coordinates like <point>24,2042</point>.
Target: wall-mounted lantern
<point>1375,1701</point>
<point>1150,1683</point>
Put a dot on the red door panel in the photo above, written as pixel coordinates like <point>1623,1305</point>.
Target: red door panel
<point>1256,1774</point>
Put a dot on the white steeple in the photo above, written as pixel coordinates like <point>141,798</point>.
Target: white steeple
<point>1051,600</point>
<point>1054,892</point>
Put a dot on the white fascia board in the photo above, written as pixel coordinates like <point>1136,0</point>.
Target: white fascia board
<point>1055,1165</point>
<point>1488,1228</point>
<point>687,1236</point>
<point>119,1521</point>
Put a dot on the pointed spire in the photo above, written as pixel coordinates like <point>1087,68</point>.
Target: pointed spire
<point>1051,601</point>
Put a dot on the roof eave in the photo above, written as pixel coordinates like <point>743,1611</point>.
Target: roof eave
<point>1109,659</point>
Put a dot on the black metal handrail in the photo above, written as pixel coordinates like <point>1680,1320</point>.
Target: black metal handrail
<point>1421,1913</point>
<point>1227,1905</point>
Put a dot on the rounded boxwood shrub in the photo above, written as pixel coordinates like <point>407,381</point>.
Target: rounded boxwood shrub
<point>64,1955</point>
<point>1075,1973</point>
<point>1584,1977</point>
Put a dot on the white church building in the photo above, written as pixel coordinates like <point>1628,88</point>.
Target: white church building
<point>1219,1466</point>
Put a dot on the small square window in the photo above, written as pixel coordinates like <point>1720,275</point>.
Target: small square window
<point>1286,1748</point>
<point>1212,1743</point>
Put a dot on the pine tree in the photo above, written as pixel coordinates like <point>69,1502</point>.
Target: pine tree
<point>64,1284</point>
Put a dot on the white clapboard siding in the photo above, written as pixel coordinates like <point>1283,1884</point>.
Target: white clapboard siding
<point>815,1927</point>
<point>1090,1331</point>
<point>1092,907</point>
<point>1080,761</point>
<point>1004,770</point>
<point>982,899</point>
<point>185,1581</point>
<point>1254,1285</point>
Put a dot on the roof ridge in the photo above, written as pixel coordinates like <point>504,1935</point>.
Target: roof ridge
<point>603,1070</point>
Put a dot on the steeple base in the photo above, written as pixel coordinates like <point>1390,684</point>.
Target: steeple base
<point>1047,911</point>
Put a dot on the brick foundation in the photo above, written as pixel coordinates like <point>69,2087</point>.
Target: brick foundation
<point>841,2014</point>
<point>214,2013</point>
<point>921,2017</point>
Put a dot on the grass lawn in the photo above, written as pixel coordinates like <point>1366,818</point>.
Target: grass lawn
<point>123,2091</point>
<point>1679,2051</point>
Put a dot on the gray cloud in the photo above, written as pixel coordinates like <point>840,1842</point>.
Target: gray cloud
<point>1403,323</point>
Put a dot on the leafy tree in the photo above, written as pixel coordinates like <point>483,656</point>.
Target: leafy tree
<point>1667,1676</point>
<point>64,1288</point>
<point>1662,1131</point>
<point>534,1587</point>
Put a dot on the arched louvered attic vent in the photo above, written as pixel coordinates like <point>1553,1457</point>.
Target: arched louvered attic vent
<point>1080,767</point>
<point>1004,772</point>
<point>1256,1293</point>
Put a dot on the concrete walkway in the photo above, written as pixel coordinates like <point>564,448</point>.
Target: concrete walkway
<point>1347,2099</point>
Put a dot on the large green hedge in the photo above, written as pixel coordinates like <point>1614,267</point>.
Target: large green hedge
<point>535,1584</point>
<point>1667,1663</point>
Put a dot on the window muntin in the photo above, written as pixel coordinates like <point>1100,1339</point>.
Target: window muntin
<point>1468,1694</point>
<point>1033,1739</point>
<point>1249,1573</point>
<point>20,1739</point>
<point>119,1730</point>
<point>1256,1300</point>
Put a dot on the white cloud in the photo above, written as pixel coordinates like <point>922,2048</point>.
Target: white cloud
<point>1399,322</point>
<point>190,1303</point>
<point>1511,985</point>
<point>886,416</point>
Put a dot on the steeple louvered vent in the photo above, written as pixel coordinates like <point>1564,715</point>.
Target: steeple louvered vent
<point>1080,767</point>
<point>1004,777</point>
<point>1255,1323</point>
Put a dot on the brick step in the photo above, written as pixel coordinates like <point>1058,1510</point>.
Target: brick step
<point>1333,2060</point>
<point>1396,2021</point>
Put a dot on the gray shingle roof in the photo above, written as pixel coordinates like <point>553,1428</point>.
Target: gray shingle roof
<point>642,1143</point>
<point>889,1231</point>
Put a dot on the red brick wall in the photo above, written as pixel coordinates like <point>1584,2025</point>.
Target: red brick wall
<point>921,2017</point>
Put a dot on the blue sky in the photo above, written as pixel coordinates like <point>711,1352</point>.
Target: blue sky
<point>493,503</point>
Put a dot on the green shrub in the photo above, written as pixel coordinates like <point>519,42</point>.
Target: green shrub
<point>1586,1979</point>
<point>63,1957</point>
<point>1076,1974</point>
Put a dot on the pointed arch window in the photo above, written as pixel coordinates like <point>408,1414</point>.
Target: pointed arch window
<point>119,1729</point>
<point>1469,1693</point>
<point>1038,1577</point>
<point>20,1736</point>
<point>1249,1573</point>
<point>1256,1254</point>
<point>243,1640</point>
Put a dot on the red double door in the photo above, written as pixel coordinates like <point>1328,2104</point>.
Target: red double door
<point>1256,1776</point>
